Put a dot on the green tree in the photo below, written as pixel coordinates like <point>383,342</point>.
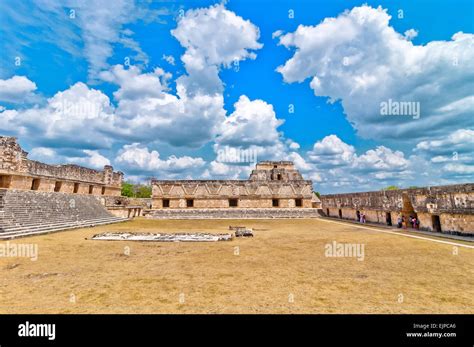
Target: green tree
<point>132,190</point>
<point>143,191</point>
<point>391,188</point>
<point>127,189</point>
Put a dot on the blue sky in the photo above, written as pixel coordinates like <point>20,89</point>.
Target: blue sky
<point>207,77</point>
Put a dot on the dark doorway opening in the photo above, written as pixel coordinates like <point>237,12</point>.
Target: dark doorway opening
<point>166,203</point>
<point>35,184</point>
<point>275,203</point>
<point>279,177</point>
<point>327,212</point>
<point>233,202</point>
<point>5,181</point>
<point>358,216</point>
<point>298,202</point>
<point>76,187</point>
<point>91,189</point>
<point>388,218</point>
<point>436,223</point>
<point>340,213</point>
<point>103,190</point>
<point>189,203</point>
<point>57,186</point>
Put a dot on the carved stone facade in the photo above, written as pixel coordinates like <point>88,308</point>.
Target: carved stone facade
<point>448,209</point>
<point>19,172</point>
<point>271,185</point>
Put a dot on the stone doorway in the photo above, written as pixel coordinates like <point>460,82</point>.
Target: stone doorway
<point>436,222</point>
<point>5,181</point>
<point>57,186</point>
<point>35,184</point>
<point>388,218</point>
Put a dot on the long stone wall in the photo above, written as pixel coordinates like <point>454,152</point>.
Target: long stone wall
<point>216,194</point>
<point>19,172</point>
<point>448,209</point>
<point>271,185</point>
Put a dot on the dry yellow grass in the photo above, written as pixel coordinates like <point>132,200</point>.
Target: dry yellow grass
<point>284,260</point>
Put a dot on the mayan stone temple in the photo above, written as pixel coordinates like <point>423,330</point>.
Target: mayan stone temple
<point>37,198</point>
<point>274,189</point>
<point>18,172</point>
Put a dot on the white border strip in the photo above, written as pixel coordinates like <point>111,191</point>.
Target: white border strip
<point>395,233</point>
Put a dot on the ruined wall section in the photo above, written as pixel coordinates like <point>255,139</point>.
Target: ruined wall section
<point>12,156</point>
<point>451,206</point>
<point>451,199</point>
<point>457,199</point>
<point>275,171</point>
<point>19,172</point>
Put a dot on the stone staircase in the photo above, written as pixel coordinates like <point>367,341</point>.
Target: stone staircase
<point>26,213</point>
<point>232,213</point>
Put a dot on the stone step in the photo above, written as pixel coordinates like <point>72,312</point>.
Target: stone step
<point>29,212</point>
<point>32,232</point>
<point>46,225</point>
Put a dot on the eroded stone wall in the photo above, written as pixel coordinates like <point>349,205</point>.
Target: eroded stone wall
<point>271,184</point>
<point>19,172</point>
<point>452,205</point>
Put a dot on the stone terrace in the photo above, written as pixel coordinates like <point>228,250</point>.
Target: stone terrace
<point>24,213</point>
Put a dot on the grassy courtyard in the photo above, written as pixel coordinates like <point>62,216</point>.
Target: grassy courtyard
<point>282,269</point>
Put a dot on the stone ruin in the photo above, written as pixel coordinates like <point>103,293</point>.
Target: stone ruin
<point>275,189</point>
<point>37,198</point>
<point>162,237</point>
<point>242,231</point>
<point>273,184</point>
<point>29,203</point>
<point>27,213</point>
<point>446,209</point>
<point>19,172</point>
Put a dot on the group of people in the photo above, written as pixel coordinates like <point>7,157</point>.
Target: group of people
<point>402,222</point>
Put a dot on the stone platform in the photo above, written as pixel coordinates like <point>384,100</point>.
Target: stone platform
<point>232,213</point>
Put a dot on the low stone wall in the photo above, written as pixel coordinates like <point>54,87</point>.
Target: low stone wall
<point>125,207</point>
<point>233,213</point>
<point>126,211</point>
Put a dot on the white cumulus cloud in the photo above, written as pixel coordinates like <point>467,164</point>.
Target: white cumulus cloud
<point>16,89</point>
<point>359,59</point>
<point>138,158</point>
